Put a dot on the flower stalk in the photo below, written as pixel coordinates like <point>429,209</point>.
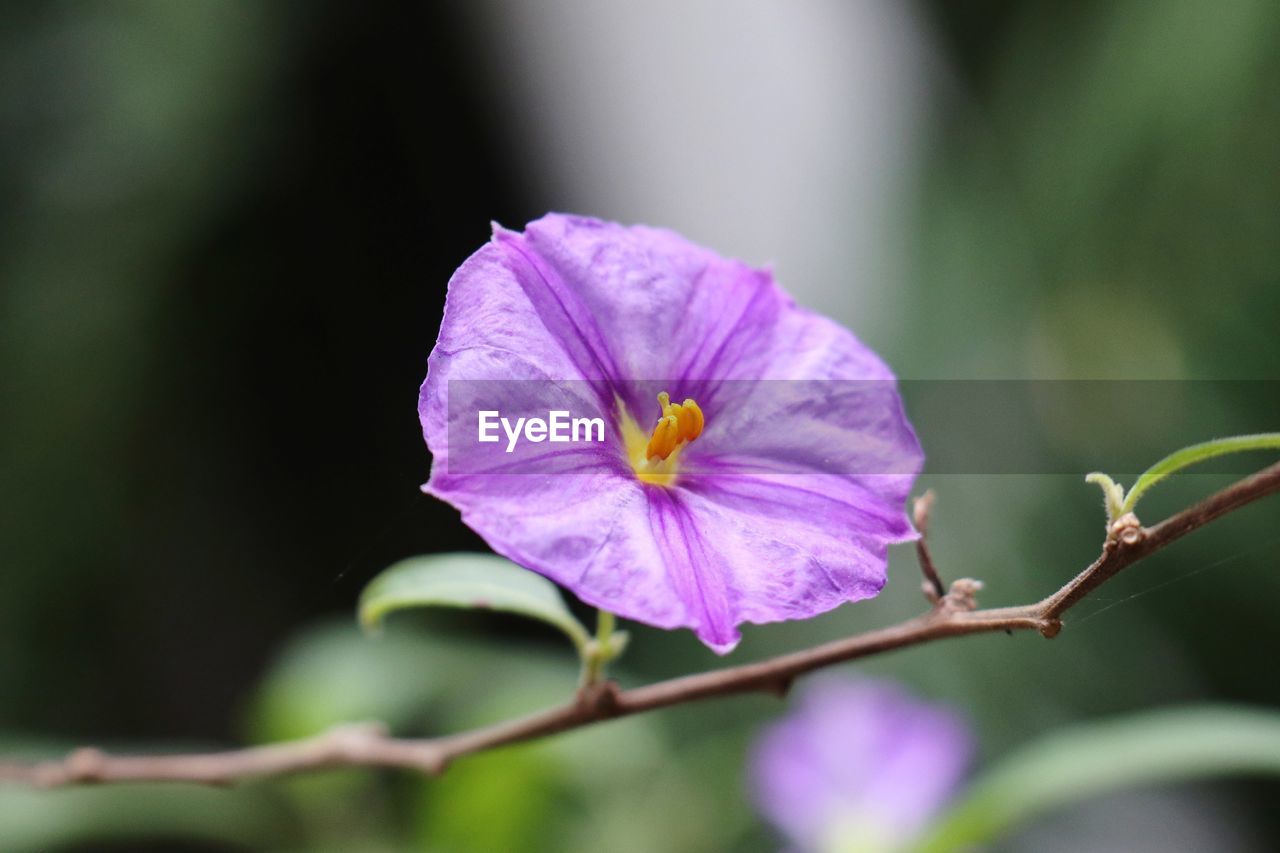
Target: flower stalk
<point>607,645</point>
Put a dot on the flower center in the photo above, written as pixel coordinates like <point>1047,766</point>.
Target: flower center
<point>655,459</point>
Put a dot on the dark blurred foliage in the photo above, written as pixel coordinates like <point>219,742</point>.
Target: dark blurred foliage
<point>211,434</point>
<point>225,234</point>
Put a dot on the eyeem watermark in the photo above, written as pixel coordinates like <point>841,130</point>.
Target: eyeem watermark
<point>558,427</point>
<point>970,427</point>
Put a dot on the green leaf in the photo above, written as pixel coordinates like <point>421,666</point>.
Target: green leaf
<point>1112,494</point>
<point>331,674</point>
<point>1097,758</point>
<point>1180,459</point>
<point>483,581</point>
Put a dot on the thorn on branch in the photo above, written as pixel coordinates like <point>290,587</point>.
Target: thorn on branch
<point>934,589</point>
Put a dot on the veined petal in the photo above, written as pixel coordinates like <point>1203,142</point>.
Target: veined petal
<point>589,531</point>
<point>847,427</point>
<point>667,309</point>
<point>757,549</point>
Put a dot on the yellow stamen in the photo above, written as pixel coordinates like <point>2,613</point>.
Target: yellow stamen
<point>680,422</point>
<point>666,435</point>
<point>696,420</point>
<point>655,458</point>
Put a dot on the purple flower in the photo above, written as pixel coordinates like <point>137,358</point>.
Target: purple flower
<point>757,458</point>
<point>858,765</point>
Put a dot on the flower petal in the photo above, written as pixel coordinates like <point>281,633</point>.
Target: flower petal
<point>759,549</point>
<point>589,531</point>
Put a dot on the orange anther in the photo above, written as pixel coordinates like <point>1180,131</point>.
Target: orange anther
<point>680,422</point>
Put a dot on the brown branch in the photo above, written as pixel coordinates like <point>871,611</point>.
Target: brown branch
<point>368,745</point>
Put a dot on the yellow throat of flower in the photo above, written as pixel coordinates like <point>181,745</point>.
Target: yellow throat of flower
<point>656,457</point>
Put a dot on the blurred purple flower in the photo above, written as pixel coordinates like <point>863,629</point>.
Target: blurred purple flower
<point>858,765</point>
<point>740,504</point>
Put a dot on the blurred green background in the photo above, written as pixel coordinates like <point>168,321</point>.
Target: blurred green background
<point>225,233</point>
